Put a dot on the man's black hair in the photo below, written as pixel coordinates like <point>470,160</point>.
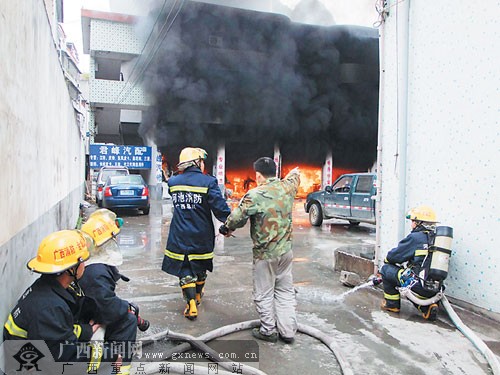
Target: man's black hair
<point>265,166</point>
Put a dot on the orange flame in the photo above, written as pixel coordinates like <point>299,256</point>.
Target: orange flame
<point>310,178</point>
<point>241,180</point>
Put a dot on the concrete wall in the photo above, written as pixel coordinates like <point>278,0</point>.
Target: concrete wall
<point>443,152</point>
<point>42,157</point>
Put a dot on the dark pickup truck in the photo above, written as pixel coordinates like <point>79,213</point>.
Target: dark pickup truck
<point>351,197</point>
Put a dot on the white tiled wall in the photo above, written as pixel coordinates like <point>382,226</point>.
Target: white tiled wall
<point>453,147</point>
<point>115,37</point>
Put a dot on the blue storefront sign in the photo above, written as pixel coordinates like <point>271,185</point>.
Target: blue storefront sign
<point>133,157</point>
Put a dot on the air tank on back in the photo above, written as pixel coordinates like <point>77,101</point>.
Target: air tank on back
<point>441,251</point>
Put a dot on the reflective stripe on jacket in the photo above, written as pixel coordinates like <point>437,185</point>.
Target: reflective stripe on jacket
<point>45,312</point>
<point>195,196</point>
<point>412,249</point>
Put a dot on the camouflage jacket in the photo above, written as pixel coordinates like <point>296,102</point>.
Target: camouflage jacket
<point>269,207</point>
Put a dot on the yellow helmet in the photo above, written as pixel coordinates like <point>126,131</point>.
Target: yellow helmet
<point>189,156</point>
<point>60,251</point>
<point>422,213</point>
<point>102,225</point>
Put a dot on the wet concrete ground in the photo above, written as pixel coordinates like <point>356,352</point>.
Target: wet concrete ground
<point>371,341</point>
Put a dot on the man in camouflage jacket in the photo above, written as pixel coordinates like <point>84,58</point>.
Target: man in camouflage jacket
<point>269,207</point>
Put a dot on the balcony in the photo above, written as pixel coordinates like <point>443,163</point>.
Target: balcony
<point>111,34</point>
<point>118,94</point>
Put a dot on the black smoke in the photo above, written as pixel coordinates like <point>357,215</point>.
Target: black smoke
<point>254,79</point>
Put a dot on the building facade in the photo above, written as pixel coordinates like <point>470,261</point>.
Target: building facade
<point>116,97</point>
<point>439,134</point>
<point>42,139</point>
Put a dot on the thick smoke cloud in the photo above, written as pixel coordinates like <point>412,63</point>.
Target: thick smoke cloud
<point>312,12</point>
<point>253,79</point>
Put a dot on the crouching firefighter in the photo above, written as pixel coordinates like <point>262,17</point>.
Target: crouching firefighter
<point>48,311</point>
<point>417,267</point>
<point>120,318</point>
<point>191,239</point>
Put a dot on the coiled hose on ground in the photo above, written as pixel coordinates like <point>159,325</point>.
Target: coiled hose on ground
<point>313,332</point>
<point>198,342</point>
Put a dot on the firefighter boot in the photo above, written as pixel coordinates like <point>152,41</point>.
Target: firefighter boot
<point>392,306</point>
<point>200,290</point>
<point>429,312</point>
<point>189,292</point>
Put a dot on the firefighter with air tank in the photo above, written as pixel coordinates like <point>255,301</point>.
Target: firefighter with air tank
<point>417,266</point>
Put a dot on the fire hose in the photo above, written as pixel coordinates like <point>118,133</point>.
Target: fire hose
<point>407,292</point>
<point>313,332</point>
<point>225,330</point>
<point>466,331</point>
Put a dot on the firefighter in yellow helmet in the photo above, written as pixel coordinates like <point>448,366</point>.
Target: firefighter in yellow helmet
<point>120,317</point>
<point>103,226</point>
<point>191,239</point>
<point>405,261</point>
<point>46,310</point>
<point>191,156</point>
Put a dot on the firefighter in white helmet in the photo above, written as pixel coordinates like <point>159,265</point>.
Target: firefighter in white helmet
<point>46,310</point>
<point>405,261</point>
<point>191,239</point>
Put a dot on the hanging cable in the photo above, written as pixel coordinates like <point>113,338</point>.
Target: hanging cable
<point>138,69</point>
<point>382,7</point>
<point>383,11</point>
<point>145,44</point>
<point>154,49</point>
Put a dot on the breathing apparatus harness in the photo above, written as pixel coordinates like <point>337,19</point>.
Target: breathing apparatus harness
<point>434,268</point>
<point>410,276</point>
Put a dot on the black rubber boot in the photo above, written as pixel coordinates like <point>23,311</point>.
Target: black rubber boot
<point>430,312</point>
<point>200,290</point>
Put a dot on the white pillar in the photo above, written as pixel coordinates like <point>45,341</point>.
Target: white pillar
<point>153,175</point>
<point>402,40</point>
<point>277,159</point>
<point>220,174</point>
<point>220,167</point>
<point>327,171</point>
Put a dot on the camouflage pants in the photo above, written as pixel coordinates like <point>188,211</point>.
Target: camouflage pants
<point>274,295</point>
